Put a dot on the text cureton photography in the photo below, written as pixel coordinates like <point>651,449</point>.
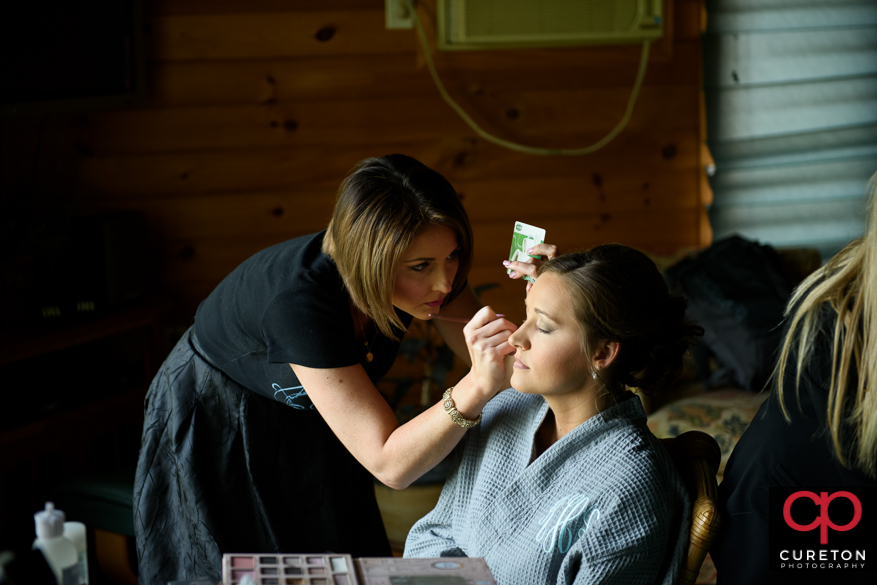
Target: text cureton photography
<point>822,529</point>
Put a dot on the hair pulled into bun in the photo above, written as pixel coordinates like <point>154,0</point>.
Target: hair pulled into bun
<point>619,295</point>
<point>654,361</point>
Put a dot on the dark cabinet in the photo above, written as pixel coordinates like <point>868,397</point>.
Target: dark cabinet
<point>72,404</point>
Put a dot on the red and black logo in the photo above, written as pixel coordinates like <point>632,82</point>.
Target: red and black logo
<point>823,529</point>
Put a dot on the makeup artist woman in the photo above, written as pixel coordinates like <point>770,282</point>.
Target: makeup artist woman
<point>264,427</point>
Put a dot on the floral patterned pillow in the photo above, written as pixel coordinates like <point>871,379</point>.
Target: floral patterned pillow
<point>724,414</point>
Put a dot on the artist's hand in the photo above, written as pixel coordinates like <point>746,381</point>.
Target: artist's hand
<point>487,339</point>
<point>531,265</point>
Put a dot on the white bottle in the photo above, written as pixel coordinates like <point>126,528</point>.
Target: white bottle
<point>58,551</point>
<point>75,533</point>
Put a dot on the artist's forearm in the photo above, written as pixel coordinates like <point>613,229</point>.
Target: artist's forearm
<point>422,443</point>
<point>416,447</point>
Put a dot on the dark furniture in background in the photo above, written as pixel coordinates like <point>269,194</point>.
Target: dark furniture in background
<point>70,426</point>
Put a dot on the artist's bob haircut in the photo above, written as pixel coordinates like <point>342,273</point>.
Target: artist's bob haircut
<point>381,206</point>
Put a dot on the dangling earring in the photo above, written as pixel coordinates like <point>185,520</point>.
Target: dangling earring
<point>594,372</point>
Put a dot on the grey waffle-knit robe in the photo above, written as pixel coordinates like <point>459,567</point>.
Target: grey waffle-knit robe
<point>602,505</point>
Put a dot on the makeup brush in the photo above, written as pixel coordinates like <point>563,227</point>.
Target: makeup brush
<point>454,319</point>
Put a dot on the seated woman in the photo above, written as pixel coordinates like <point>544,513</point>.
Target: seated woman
<point>563,482</point>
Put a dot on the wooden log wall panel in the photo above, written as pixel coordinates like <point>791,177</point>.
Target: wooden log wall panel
<point>618,62</point>
<point>189,7</point>
<point>524,73</point>
<point>192,260</point>
<point>268,81</point>
<point>278,34</point>
<point>685,15</point>
<point>618,191</point>
<point>283,214</point>
<point>689,19</point>
<point>207,258</point>
<point>276,216</point>
<point>200,172</point>
<point>264,81</point>
<point>258,109</point>
<point>559,118</point>
<point>580,117</point>
<point>184,81</point>
<point>248,34</point>
<point>319,122</point>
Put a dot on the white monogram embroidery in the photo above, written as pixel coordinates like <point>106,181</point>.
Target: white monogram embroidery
<point>556,530</point>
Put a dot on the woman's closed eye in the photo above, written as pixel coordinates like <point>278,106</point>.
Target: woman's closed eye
<point>538,328</point>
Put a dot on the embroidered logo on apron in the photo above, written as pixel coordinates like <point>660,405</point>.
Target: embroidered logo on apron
<point>288,395</point>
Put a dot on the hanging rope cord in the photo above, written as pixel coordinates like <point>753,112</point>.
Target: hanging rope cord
<point>641,73</point>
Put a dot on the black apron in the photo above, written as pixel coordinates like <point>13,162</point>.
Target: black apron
<point>223,469</point>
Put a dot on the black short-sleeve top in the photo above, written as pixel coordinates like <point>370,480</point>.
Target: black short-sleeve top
<point>286,304</point>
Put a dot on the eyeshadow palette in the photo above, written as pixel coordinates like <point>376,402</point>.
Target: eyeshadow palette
<point>443,571</point>
<point>331,569</point>
<point>265,569</point>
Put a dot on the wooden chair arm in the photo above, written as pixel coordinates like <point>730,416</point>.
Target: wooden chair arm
<point>697,456</point>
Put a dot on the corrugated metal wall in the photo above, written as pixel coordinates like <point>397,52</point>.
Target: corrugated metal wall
<point>791,101</point>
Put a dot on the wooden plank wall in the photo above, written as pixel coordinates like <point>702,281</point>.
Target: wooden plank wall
<point>258,108</point>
